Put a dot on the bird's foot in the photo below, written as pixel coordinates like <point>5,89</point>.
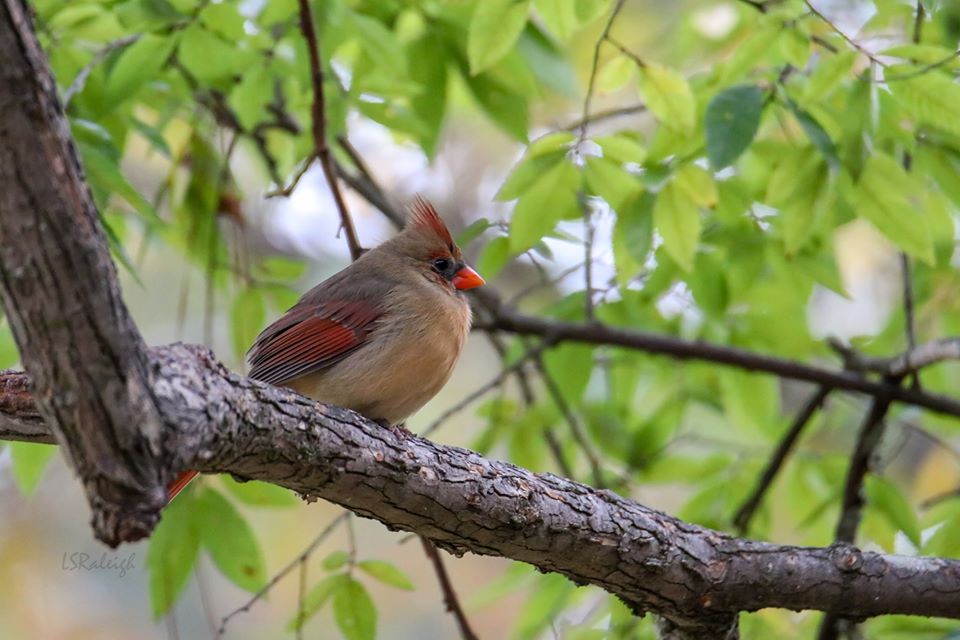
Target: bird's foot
<point>399,430</point>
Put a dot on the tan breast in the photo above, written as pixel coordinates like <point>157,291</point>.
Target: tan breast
<point>409,357</point>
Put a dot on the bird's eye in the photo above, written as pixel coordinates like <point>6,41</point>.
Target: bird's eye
<point>441,264</point>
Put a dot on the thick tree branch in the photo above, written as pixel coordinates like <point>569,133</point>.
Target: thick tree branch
<point>221,422</point>
<point>87,361</point>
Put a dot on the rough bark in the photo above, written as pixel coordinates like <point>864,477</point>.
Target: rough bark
<point>58,285</point>
<point>696,578</point>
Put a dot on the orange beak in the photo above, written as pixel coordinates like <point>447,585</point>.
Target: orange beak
<point>466,278</point>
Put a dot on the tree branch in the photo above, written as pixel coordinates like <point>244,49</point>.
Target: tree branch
<point>320,143</point>
<point>507,319</point>
<point>88,363</point>
<point>221,422</point>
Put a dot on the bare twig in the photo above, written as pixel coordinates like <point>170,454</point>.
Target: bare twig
<point>286,191</point>
<point>600,116</point>
<point>321,148</point>
<point>852,42</point>
<point>482,390</point>
<point>594,67</point>
<point>301,595</point>
<point>283,572</point>
<point>576,429</point>
<point>745,513</point>
<point>907,363</point>
<point>852,503</point>
<point>449,594</point>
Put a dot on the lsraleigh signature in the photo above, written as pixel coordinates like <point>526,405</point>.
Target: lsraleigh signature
<point>83,561</point>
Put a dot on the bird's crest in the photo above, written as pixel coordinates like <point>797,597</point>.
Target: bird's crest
<point>424,216</point>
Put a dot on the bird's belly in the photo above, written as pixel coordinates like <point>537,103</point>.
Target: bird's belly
<point>386,380</point>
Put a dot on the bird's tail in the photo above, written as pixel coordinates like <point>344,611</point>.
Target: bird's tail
<point>179,484</point>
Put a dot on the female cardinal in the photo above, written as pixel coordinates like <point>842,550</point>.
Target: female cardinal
<point>380,337</point>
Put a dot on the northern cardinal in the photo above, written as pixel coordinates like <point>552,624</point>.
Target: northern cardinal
<point>380,337</point>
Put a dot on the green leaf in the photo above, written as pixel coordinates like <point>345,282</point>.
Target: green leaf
<point>104,174</point>
<point>669,97</point>
<point>886,196</point>
<point>633,236</point>
<point>354,611</point>
<point>622,147</point>
<point>230,540</point>
<point>732,120</point>
<point>261,494</point>
<point>430,72</point>
<point>527,172</point>
<point>494,257</point>
<point>30,460</point>
<point>886,498</point>
<point>172,552</point>
<point>472,232</point>
<point>139,63</point>
<point>548,201</point>
<point>795,46</point>
<point>335,560</point>
<point>386,573</point>
<point>277,11</point>
<point>698,184</point>
<point>380,43</point>
<point>251,95</point>
<point>224,19</point>
<point>931,98</point>
<point>751,401</point>
<point>827,76</point>
<point>615,74</point>
<point>817,135</point>
<point>316,598</point>
<point>494,28</point>
<point>677,218</point>
<point>609,180</point>
<point>504,106</point>
<point>945,542</point>
<point>208,57</point>
<point>559,16</point>
<point>248,316</point>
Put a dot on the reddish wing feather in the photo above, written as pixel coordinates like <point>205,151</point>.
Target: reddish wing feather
<point>309,338</point>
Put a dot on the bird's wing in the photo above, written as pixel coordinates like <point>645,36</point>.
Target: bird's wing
<point>310,337</point>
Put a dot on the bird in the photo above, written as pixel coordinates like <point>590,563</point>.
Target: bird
<point>381,336</point>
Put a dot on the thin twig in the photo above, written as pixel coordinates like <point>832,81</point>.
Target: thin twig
<point>321,148</point>
<point>906,272</point>
<point>301,595</point>
<point>449,594</point>
<point>594,67</point>
<point>746,512</point>
<point>529,400</point>
<point>286,191</point>
<point>907,363</point>
<point>482,390</point>
<point>600,116</point>
<point>283,572</point>
<point>853,43</point>
<point>576,429</point>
